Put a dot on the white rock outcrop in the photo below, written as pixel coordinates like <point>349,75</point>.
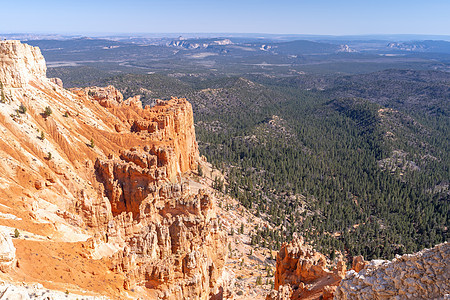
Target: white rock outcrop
<point>422,275</point>
<point>20,63</point>
<point>10,291</point>
<point>7,252</point>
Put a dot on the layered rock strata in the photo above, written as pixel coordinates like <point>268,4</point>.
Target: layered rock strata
<point>92,168</point>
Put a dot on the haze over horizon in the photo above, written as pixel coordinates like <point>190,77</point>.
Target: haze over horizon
<point>324,17</point>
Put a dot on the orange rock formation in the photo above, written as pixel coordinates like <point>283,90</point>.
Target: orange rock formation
<point>302,273</point>
<point>107,178</point>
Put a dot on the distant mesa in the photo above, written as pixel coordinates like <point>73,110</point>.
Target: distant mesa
<point>198,44</point>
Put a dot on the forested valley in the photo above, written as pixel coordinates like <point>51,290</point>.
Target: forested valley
<point>355,163</point>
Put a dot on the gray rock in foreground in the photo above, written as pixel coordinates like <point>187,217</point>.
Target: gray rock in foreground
<point>422,275</point>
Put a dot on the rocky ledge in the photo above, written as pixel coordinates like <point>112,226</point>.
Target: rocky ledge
<point>422,275</point>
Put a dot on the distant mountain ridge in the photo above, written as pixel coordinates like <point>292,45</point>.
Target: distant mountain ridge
<point>421,46</point>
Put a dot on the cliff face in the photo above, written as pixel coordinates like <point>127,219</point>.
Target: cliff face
<point>423,275</point>
<point>303,273</point>
<point>108,177</point>
<point>20,63</point>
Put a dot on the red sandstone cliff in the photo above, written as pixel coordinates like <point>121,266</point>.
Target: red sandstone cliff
<point>98,188</point>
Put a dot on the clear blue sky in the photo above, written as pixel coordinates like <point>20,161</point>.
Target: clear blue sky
<point>334,17</point>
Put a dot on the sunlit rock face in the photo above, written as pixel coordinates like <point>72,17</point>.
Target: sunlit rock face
<point>20,63</point>
<point>302,272</point>
<point>105,180</point>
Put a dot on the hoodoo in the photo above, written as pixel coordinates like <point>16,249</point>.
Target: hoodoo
<point>98,189</point>
<point>303,273</point>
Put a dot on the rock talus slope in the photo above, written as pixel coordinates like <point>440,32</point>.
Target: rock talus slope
<point>100,185</point>
<point>422,275</point>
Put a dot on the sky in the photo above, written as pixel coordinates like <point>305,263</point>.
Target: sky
<point>318,17</point>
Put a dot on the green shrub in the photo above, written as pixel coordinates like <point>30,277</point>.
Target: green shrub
<point>2,97</point>
<point>199,170</point>
<point>47,112</point>
<point>22,109</point>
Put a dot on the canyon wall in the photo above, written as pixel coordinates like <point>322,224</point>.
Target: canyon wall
<point>91,171</point>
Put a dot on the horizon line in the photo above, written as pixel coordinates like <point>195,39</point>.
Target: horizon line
<point>105,33</point>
